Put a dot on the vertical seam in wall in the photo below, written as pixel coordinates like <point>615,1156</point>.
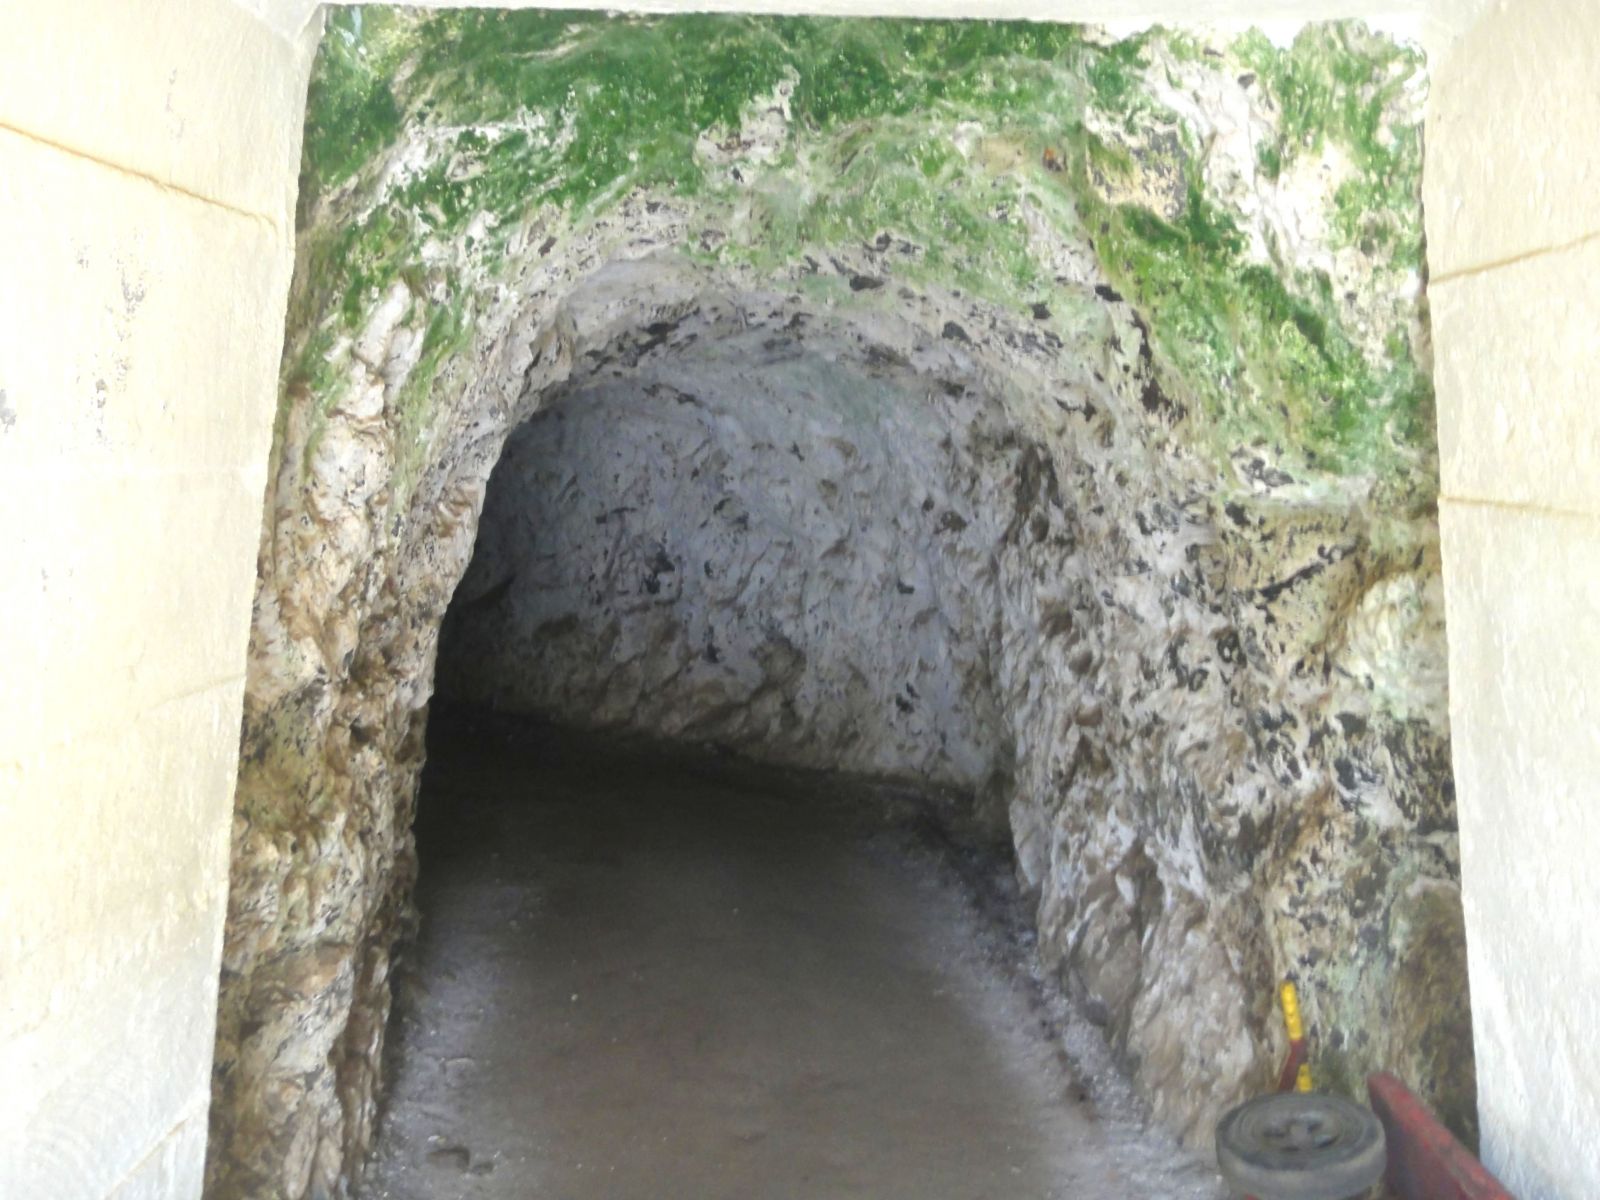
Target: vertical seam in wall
<point>1513,259</point>
<point>134,173</point>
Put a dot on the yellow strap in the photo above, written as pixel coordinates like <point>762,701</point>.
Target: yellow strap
<point>1291,1011</point>
<point>1302,1081</point>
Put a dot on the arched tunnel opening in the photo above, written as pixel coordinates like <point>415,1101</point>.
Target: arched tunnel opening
<point>1010,425</point>
<point>775,537</point>
<point>756,527</point>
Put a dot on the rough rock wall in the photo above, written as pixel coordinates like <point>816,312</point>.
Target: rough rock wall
<point>1165,296</point>
<point>767,541</point>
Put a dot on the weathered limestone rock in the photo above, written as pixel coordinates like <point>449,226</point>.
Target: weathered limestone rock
<point>1112,353</point>
<point>763,535</point>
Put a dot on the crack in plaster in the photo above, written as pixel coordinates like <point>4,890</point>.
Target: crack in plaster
<point>196,1111</point>
<point>89,734</point>
<point>1514,259</point>
<point>1520,506</point>
<point>134,173</point>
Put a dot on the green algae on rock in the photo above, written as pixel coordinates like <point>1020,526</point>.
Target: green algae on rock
<point>548,116</point>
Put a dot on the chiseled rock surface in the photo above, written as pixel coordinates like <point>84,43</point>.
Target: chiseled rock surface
<point>1112,353</point>
<point>762,535</point>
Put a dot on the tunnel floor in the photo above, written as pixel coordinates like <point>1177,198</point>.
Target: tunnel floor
<point>642,975</point>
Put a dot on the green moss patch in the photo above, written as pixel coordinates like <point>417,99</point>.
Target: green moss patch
<point>425,125</point>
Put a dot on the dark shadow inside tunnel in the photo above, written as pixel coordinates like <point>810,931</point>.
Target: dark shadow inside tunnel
<point>780,545</point>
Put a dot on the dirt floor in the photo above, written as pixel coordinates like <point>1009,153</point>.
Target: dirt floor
<point>645,976</point>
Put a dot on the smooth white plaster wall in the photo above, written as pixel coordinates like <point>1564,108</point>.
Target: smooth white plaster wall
<point>1513,199</point>
<point>148,157</point>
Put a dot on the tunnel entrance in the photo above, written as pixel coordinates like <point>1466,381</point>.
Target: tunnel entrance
<point>755,929</point>
<point>757,527</point>
<point>1011,409</point>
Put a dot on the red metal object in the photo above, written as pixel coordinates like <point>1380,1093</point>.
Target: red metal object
<point>1425,1161</point>
<point>1292,1063</point>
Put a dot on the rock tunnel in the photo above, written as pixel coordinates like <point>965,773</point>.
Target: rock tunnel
<point>1014,412</point>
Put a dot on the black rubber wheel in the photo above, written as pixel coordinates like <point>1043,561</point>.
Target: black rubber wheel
<point>1300,1146</point>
